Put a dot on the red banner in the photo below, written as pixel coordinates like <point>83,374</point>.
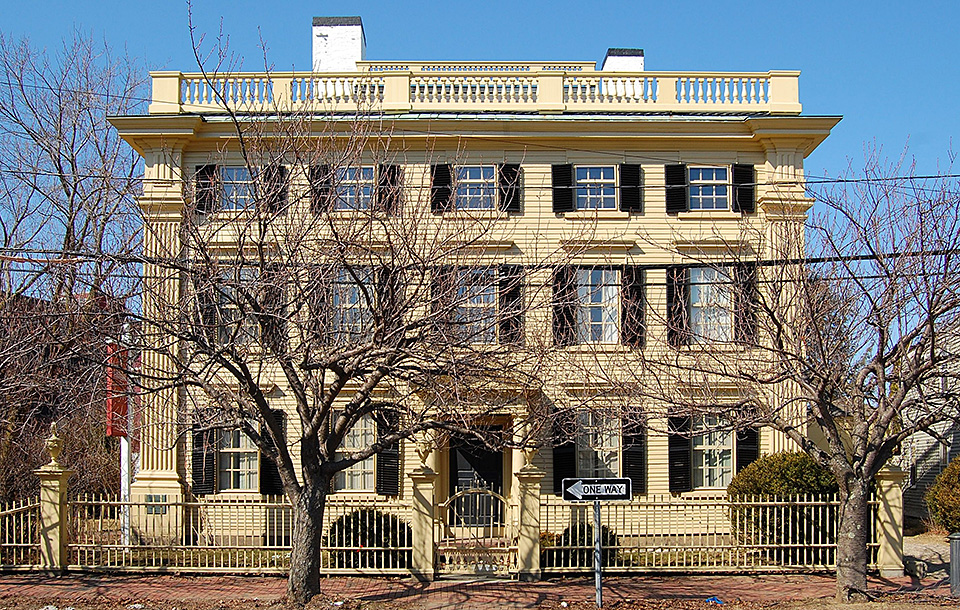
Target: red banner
<point>116,391</point>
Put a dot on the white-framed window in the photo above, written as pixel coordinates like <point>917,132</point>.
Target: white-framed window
<point>712,453</point>
<point>355,187</point>
<point>598,305</point>
<point>598,446</point>
<point>711,304</point>
<point>237,462</point>
<point>476,187</point>
<point>228,315</point>
<point>596,187</point>
<point>709,188</point>
<point>362,475</point>
<point>476,304</point>
<point>236,188</point>
<point>351,311</point>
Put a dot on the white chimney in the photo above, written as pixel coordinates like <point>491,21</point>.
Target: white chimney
<point>623,60</point>
<point>338,44</point>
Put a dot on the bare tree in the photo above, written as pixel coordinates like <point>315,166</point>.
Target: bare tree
<point>829,335</point>
<point>67,229</point>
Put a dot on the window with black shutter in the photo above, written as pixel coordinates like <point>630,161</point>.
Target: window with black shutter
<point>321,189</point>
<point>748,447</point>
<point>675,178</point>
<point>275,188</point>
<point>441,187</point>
<point>635,455</point>
<point>388,460</point>
<point>745,303</point>
<point>562,183</point>
<point>633,304</point>
<point>270,482</point>
<point>389,191</point>
<point>564,449</point>
<point>203,460</point>
<point>205,188</point>
<point>511,310</point>
<point>509,188</point>
<point>744,188</point>
<point>631,188</point>
<point>564,306</point>
<point>680,453</point>
<point>678,331</point>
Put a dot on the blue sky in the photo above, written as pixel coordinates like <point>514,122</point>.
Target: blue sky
<point>890,69</point>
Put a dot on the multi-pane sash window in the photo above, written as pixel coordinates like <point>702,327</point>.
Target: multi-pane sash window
<point>598,447</point>
<point>598,305</point>
<point>709,188</point>
<point>355,186</point>
<point>596,187</point>
<point>351,313</point>
<point>711,304</point>
<point>237,462</point>
<point>476,304</point>
<point>712,453</point>
<point>236,188</point>
<point>476,187</point>
<point>362,475</point>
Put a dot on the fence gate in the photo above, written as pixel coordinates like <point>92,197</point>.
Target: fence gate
<point>474,536</point>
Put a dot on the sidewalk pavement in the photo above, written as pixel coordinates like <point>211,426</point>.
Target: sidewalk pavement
<point>447,593</point>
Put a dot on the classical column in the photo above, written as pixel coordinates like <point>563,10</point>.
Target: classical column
<point>53,509</point>
<point>162,203</point>
<point>890,521</point>
<point>422,564</point>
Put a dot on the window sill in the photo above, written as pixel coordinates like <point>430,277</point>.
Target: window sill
<point>586,215</point>
<point>478,213</point>
<point>700,215</point>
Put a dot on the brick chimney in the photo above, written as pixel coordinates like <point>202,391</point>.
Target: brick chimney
<point>338,44</point>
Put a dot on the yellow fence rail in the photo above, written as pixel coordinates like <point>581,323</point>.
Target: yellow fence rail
<point>20,534</point>
<point>361,535</point>
<point>690,534</point>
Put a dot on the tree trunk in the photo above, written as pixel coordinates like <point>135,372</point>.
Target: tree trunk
<point>852,537</point>
<point>304,579</point>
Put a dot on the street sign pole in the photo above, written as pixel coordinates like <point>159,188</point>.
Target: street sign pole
<point>597,567</point>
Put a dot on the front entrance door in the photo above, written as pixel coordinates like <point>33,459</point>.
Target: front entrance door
<point>475,466</point>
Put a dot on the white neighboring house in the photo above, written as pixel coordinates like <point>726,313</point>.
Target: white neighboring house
<point>923,456</point>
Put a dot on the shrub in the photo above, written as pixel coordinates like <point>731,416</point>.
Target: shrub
<point>558,552</point>
<point>369,539</point>
<point>782,474</point>
<point>943,498</point>
<point>785,532</point>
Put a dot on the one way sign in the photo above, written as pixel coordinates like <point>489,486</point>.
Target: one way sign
<point>588,490</point>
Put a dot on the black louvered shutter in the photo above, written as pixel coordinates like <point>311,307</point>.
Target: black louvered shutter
<point>203,458</point>
<point>510,296</point>
<point>389,287</point>
<point>633,303</point>
<point>748,447</point>
<point>565,306</point>
<point>275,187</point>
<point>270,482</point>
<point>207,314</point>
<point>508,183</point>
<point>745,303</point>
<point>442,293</point>
<point>680,454</point>
<point>388,460</point>
<point>635,455</point>
<point>389,195</point>
<point>274,309</point>
<point>321,189</point>
<point>564,449</point>
<point>744,188</point>
<point>441,187</point>
<point>678,332</point>
<point>563,191</point>
<point>205,189</point>
<point>631,188</point>
<point>675,177</point>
